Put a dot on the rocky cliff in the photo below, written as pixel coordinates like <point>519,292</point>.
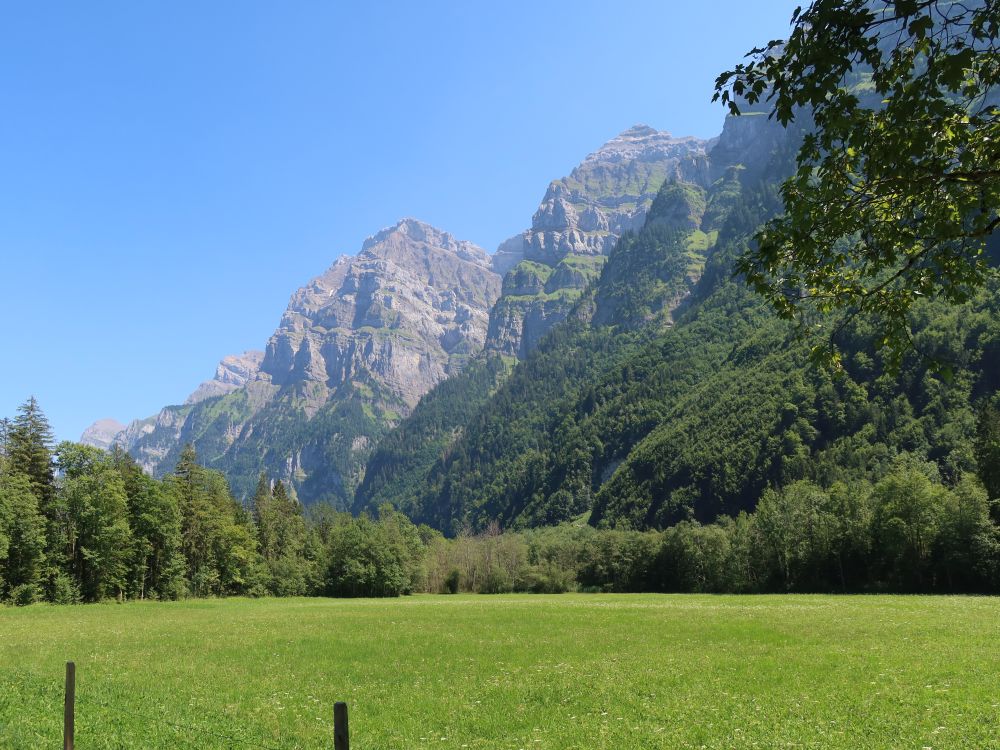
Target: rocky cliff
<point>355,350</point>
<point>409,309</point>
<point>576,226</point>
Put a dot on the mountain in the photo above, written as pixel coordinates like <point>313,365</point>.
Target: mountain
<point>548,266</point>
<point>683,198</point>
<point>636,382</point>
<point>548,270</point>
<point>102,433</point>
<point>670,392</point>
<point>355,350</point>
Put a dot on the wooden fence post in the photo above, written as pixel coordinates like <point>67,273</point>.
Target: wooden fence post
<point>68,706</point>
<point>341,739</point>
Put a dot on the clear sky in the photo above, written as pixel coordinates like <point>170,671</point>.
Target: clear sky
<point>170,172</point>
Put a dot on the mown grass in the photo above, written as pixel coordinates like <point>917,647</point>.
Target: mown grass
<point>571,671</point>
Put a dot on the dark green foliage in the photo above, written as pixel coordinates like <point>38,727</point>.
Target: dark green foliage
<point>896,188</point>
<point>217,537</point>
<point>987,449</point>
<point>121,534</point>
<point>633,425</point>
<point>395,470</point>
<point>22,540</point>
<point>539,450</point>
<point>94,537</point>
<point>644,278</point>
<point>374,558</point>
<point>282,539</point>
<point>109,531</point>
<point>156,566</point>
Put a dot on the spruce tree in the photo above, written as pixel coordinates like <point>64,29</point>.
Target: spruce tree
<point>29,449</point>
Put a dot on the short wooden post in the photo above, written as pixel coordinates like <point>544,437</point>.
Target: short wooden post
<point>341,739</point>
<point>68,706</point>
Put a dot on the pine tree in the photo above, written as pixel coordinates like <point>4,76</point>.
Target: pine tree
<point>4,440</point>
<point>216,533</point>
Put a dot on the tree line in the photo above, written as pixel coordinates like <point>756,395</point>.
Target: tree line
<point>78,524</point>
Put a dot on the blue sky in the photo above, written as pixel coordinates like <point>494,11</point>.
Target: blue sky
<point>171,172</point>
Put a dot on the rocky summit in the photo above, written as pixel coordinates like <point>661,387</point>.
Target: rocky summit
<point>548,266</point>
<point>355,350</point>
<point>102,433</point>
<point>409,309</point>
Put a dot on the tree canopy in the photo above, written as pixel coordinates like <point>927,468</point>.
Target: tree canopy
<point>897,184</point>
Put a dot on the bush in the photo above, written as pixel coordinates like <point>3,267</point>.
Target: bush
<point>64,589</point>
<point>25,594</point>
<point>549,579</point>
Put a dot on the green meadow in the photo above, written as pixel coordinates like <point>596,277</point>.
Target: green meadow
<point>519,672</point>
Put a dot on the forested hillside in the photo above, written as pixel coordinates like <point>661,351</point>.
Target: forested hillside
<point>674,393</point>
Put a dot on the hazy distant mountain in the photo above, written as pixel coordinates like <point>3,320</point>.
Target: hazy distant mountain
<point>102,433</point>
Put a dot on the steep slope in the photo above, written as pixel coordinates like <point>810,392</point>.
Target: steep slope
<point>354,352</point>
<point>540,449</point>
<point>580,218</point>
<point>549,269</point>
<point>661,399</point>
<point>454,471</point>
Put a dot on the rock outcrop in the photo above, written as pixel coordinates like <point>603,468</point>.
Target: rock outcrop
<point>577,224</point>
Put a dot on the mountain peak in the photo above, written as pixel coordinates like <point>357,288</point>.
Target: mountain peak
<point>101,434</point>
<point>644,143</point>
<point>413,232</point>
<point>413,228</point>
<point>640,130</point>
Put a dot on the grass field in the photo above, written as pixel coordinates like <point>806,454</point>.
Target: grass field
<point>520,672</point>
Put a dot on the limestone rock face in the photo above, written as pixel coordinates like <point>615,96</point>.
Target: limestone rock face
<point>409,309</point>
<point>233,371</point>
<point>102,433</point>
<point>355,350</point>
<point>754,142</point>
<point>577,224</point>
